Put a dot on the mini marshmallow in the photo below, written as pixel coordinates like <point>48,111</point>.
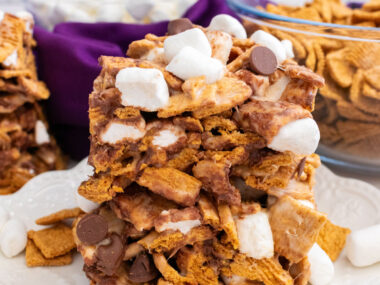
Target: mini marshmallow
<point>189,63</point>
<point>4,216</point>
<point>117,132</point>
<point>11,60</point>
<point>194,38</point>
<point>321,266</point>
<point>13,237</point>
<point>255,235</point>
<point>363,246</point>
<point>228,24</point>
<point>86,206</point>
<point>1,16</point>
<point>288,45</point>
<point>144,88</point>
<point>300,137</point>
<point>183,226</point>
<point>165,138</point>
<point>139,9</point>
<point>265,39</point>
<point>41,133</point>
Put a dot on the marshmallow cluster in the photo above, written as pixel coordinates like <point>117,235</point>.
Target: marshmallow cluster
<point>50,13</point>
<point>13,236</point>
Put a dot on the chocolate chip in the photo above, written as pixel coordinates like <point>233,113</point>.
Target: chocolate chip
<point>110,256</point>
<point>142,269</point>
<point>92,229</point>
<point>301,167</point>
<point>179,25</point>
<point>263,61</point>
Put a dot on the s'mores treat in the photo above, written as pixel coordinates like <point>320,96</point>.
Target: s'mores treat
<point>26,148</point>
<point>203,147</point>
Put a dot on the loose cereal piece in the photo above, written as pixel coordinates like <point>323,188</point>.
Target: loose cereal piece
<point>332,239</point>
<point>34,257</point>
<point>332,90</point>
<point>59,216</point>
<point>348,110</point>
<point>169,273</point>
<point>372,5</point>
<point>372,76</point>
<point>266,270</point>
<point>54,241</point>
<point>360,16</point>
<point>295,228</point>
<point>171,184</point>
<point>353,132</point>
<point>339,68</point>
<point>370,92</point>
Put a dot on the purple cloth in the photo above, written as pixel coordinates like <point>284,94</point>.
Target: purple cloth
<point>67,60</point>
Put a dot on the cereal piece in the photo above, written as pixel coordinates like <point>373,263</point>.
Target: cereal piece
<point>311,58</point>
<point>295,228</point>
<point>372,5</point>
<point>36,89</point>
<point>196,263</point>
<point>349,111</point>
<point>331,89</point>
<point>169,273</point>
<point>307,13</point>
<point>332,239</point>
<point>324,9</point>
<point>321,61</point>
<point>171,184</point>
<point>372,76</point>
<point>340,70</point>
<point>59,216</point>
<point>240,62</point>
<point>182,220</point>
<point>34,257</point>
<point>221,44</point>
<point>208,211</point>
<point>352,131</point>
<point>300,272</point>
<point>329,134</point>
<point>362,55</point>
<point>217,122</point>
<point>100,188</point>
<point>340,11</point>
<point>301,72</point>
<point>183,160</point>
<point>266,270</point>
<point>360,16</point>
<point>188,124</point>
<point>370,92</point>
<point>54,241</point>
<point>227,223</point>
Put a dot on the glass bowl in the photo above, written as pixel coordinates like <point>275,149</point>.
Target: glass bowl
<point>347,109</point>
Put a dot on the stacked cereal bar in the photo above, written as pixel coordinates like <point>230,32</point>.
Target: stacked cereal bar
<point>202,143</point>
<point>26,148</point>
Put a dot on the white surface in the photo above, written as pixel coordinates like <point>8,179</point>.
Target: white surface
<point>194,38</point>
<point>255,235</point>
<point>228,24</point>
<point>144,88</point>
<point>363,246</point>
<point>348,202</point>
<point>300,136</point>
<point>321,266</point>
<point>189,63</point>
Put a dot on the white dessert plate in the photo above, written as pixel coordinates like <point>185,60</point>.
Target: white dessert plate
<point>348,202</point>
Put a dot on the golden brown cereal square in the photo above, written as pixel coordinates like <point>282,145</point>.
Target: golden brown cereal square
<point>59,216</point>
<point>54,241</point>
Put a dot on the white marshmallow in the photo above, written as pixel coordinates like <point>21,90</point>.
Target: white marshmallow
<point>288,45</point>
<point>70,12</point>
<point>165,138</point>
<point>28,19</point>
<point>194,38</point>
<point>234,280</point>
<point>144,88</point>
<point>363,246</point>
<point>189,63</point>
<point>228,24</point>
<point>221,44</point>
<point>1,15</point>
<point>275,90</point>
<point>271,42</point>
<point>156,55</point>
<point>41,133</point>
<point>86,206</point>
<point>110,12</point>
<point>183,226</point>
<point>300,137</point>
<point>292,3</point>
<point>11,60</point>
<point>321,266</point>
<point>255,235</point>
<point>307,203</point>
<point>116,132</point>
<point>139,9</point>
<point>13,237</point>
<point>4,216</point>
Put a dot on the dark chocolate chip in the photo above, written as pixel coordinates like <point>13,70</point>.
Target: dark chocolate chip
<point>179,25</point>
<point>92,229</point>
<point>301,167</point>
<point>142,269</point>
<point>263,61</point>
<point>110,256</point>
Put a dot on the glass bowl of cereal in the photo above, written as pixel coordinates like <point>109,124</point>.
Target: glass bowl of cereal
<point>341,42</point>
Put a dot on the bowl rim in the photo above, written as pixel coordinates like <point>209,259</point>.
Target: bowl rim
<point>248,10</point>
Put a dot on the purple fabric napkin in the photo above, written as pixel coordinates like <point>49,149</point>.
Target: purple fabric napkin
<point>67,60</point>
